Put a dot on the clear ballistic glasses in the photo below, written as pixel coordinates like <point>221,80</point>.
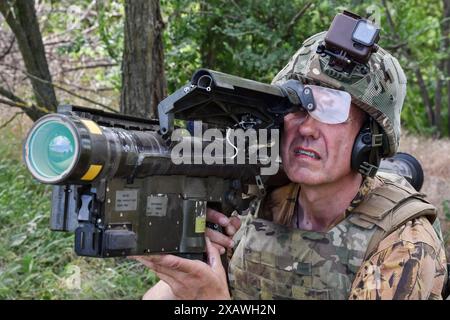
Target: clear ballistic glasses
<point>331,106</point>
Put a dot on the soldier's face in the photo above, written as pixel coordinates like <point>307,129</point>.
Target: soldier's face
<point>315,153</point>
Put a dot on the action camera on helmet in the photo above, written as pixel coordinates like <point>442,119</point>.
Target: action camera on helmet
<point>350,40</point>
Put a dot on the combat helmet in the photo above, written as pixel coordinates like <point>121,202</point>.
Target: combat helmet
<point>377,87</point>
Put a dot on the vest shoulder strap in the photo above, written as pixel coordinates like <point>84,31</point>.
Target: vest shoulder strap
<point>388,207</point>
<point>412,209</point>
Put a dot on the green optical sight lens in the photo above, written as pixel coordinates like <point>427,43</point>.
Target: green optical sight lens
<point>52,149</point>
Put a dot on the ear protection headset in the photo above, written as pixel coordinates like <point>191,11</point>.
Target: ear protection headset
<point>368,149</point>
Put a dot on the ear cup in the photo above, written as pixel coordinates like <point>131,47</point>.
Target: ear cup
<point>361,148</point>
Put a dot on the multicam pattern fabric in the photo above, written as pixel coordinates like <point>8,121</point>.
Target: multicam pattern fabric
<point>409,264</point>
<point>278,262</point>
<point>379,91</point>
<point>275,261</point>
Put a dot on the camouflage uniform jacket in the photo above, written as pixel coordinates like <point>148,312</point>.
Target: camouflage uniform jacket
<point>360,257</point>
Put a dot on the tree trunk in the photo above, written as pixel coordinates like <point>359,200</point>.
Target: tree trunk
<point>143,80</point>
<point>21,18</point>
<point>438,101</point>
<point>446,46</point>
<point>208,44</point>
<point>424,94</point>
<point>443,66</point>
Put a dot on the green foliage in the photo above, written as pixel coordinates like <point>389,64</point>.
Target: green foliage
<point>254,39</point>
<point>36,263</point>
<point>86,31</point>
<point>110,18</point>
<point>73,47</point>
<point>110,27</point>
<point>250,39</point>
<point>418,26</point>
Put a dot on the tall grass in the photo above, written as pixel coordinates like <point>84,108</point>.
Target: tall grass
<point>36,263</point>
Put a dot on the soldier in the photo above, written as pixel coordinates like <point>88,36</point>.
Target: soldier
<point>337,231</point>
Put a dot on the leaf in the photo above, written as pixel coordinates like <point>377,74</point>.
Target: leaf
<point>18,239</point>
<point>27,263</point>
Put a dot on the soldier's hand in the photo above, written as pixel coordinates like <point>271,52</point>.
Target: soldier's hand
<point>229,225</point>
<point>188,279</point>
<point>160,291</point>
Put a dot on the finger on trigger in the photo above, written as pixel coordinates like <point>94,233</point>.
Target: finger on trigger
<point>217,217</point>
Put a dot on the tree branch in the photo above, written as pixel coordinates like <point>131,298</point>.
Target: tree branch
<point>15,101</point>
<point>395,47</point>
<point>94,66</point>
<point>11,96</point>
<point>84,98</point>
<point>5,81</point>
<point>55,85</point>
<point>297,17</point>
<point>389,18</point>
<point>96,90</point>
<point>11,120</point>
<point>26,107</point>
<point>52,43</point>
<point>10,103</point>
<point>22,19</point>
<point>8,49</point>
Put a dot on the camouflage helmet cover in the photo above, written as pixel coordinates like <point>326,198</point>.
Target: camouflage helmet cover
<point>379,91</point>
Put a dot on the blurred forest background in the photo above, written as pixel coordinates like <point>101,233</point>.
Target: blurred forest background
<point>127,55</point>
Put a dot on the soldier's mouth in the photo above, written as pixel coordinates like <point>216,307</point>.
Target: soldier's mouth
<point>304,152</point>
